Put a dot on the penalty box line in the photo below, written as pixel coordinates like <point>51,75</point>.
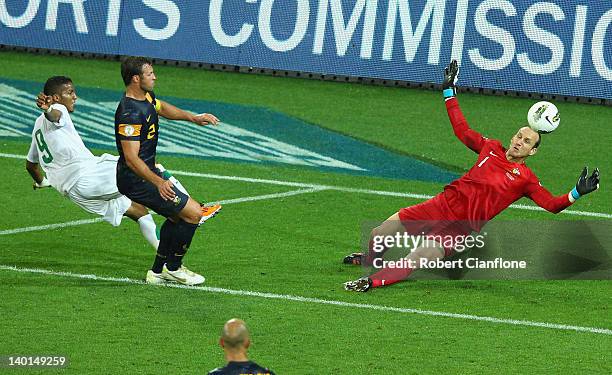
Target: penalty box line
<point>223,202</point>
<point>311,300</point>
<point>347,189</point>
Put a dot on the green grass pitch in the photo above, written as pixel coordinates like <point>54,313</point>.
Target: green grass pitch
<point>292,246</point>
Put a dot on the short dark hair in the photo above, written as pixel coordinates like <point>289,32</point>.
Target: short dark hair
<point>537,144</point>
<point>131,66</point>
<point>54,85</point>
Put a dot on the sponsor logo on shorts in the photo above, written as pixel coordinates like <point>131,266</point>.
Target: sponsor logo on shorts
<point>176,200</point>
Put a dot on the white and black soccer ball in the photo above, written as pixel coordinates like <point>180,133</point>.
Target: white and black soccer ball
<point>543,117</point>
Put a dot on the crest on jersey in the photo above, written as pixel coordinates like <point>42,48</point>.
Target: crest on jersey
<point>516,171</point>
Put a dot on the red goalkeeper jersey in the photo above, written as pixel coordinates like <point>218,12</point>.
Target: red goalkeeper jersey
<point>493,183</point>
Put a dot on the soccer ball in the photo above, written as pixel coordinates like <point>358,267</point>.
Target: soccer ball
<point>543,117</point>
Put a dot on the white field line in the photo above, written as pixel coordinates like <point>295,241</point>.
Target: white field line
<point>268,196</point>
<point>12,156</point>
<point>287,297</point>
<point>347,189</point>
<point>50,226</point>
<point>96,220</point>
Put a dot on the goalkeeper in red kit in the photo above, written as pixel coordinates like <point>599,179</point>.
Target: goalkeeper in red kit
<point>498,178</point>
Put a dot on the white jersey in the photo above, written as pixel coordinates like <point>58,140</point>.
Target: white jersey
<point>59,150</point>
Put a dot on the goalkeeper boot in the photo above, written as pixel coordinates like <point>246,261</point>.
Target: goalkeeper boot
<point>360,285</point>
<point>354,258</point>
<point>209,211</point>
<point>182,276</point>
<point>154,278</point>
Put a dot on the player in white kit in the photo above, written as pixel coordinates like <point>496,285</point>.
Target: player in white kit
<point>87,180</point>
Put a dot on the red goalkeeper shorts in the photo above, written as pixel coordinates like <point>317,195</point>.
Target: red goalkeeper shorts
<point>434,218</point>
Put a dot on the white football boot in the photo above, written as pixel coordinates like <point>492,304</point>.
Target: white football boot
<point>182,276</point>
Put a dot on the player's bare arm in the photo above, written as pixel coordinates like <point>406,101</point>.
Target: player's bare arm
<point>172,112</point>
<point>34,171</point>
<point>40,181</point>
<point>135,163</point>
<point>44,102</point>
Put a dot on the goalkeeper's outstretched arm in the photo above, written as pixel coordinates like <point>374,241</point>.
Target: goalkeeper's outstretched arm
<point>547,201</point>
<point>472,139</point>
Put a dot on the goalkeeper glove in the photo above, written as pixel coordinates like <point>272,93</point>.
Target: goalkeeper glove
<point>451,74</point>
<point>586,184</point>
<point>43,184</point>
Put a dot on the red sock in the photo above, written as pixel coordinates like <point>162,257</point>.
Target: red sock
<point>388,276</point>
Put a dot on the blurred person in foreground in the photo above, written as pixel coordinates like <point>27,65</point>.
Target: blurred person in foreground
<point>235,343</point>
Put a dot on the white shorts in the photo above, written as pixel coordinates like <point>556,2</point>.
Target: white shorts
<point>96,191</point>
